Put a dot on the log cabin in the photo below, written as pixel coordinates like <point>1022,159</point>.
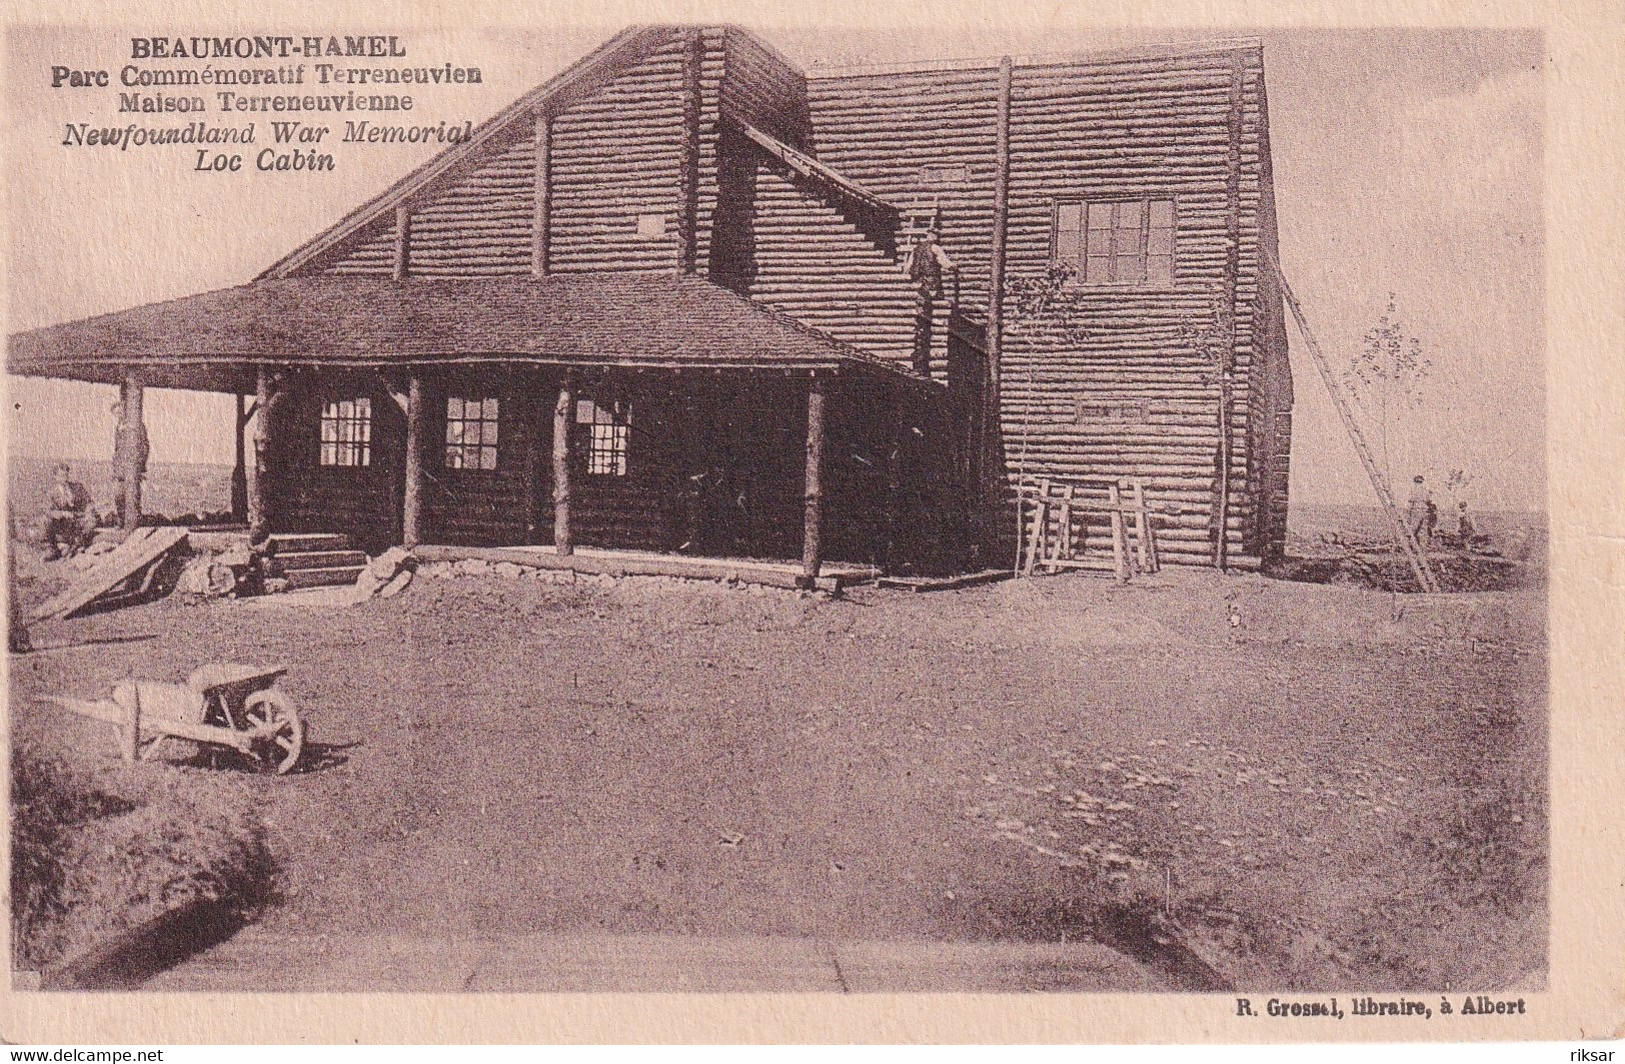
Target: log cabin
<point>688,297</point>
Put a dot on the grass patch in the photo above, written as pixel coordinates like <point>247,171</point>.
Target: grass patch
<point>87,862</point>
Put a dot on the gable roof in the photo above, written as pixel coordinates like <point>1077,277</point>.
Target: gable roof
<point>208,341</point>
<point>576,81</point>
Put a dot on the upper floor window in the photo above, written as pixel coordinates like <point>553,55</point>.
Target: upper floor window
<point>471,433</point>
<point>1117,241</point>
<point>347,432</point>
<point>609,427</point>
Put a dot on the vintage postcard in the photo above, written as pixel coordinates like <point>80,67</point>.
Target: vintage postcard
<point>780,515</point>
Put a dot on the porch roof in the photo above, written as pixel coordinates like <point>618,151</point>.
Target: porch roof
<point>213,340</point>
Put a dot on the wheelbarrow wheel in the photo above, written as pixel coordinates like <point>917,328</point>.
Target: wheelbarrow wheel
<point>279,751</point>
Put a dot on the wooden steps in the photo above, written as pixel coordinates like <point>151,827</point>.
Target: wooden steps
<point>300,579</point>
<point>297,542</point>
<point>282,563</point>
<point>303,560</point>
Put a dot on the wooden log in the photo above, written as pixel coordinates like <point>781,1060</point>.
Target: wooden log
<point>812,522</point>
<point>258,524</point>
<point>1119,538</point>
<point>1064,540</point>
<point>533,411</point>
<point>1145,548</point>
<point>1000,223</point>
<point>542,216</point>
<point>402,263</point>
<point>688,173</point>
<point>1040,528</point>
<point>563,416</point>
<point>412,495</point>
<point>1232,260</point>
<point>130,731</point>
<point>239,465</point>
<point>133,447</point>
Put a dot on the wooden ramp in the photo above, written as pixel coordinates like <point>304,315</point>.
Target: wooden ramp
<point>125,571</point>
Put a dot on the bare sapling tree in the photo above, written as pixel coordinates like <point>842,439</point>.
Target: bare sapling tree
<point>1044,310</point>
<point>1213,342</point>
<point>1385,377</point>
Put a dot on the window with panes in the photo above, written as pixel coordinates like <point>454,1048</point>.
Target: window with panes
<point>471,432</point>
<point>346,428</point>
<point>1117,241</point>
<point>609,432</point>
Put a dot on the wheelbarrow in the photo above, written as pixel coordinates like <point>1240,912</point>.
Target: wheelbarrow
<point>235,706</point>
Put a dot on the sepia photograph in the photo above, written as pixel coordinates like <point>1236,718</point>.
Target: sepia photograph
<point>730,507</point>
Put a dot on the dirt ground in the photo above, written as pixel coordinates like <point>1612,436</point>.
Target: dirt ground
<point>1245,782</point>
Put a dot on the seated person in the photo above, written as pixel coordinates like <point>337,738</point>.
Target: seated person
<point>70,522</point>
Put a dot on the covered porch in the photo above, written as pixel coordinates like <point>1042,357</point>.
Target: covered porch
<point>658,416</point>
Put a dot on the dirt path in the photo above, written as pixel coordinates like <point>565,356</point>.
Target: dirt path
<point>515,757</point>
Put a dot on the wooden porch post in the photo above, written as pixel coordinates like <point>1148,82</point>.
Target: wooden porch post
<point>239,466</point>
<point>412,498</point>
<point>133,445</point>
<point>563,414</point>
<point>258,526</point>
<point>534,412</point>
<point>812,547</point>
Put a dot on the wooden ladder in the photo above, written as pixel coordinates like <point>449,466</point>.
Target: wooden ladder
<point>1403,533</point>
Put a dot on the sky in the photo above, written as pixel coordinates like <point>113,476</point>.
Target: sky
<point>1407,163</point>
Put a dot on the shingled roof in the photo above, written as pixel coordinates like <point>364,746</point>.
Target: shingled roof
<point>205,341</point>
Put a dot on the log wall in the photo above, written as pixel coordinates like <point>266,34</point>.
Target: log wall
<point>373,256</point>
<point>815,265</point>
<point>616,154</point>
<point>306,496</point>
<point>1272,396</point>
<point>1121,394</point>
<point>616,157</point>
<point>923,140</point>
<point>483,507</point>
<point>478,227</point>
<point>765,90</point>
<point>481,226</point>
<point>1150,126</point>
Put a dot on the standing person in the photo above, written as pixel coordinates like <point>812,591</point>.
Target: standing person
<point>1465,531</point>
<point>129,461</point>
<point>1420,513</point>
<point>927,264</point>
